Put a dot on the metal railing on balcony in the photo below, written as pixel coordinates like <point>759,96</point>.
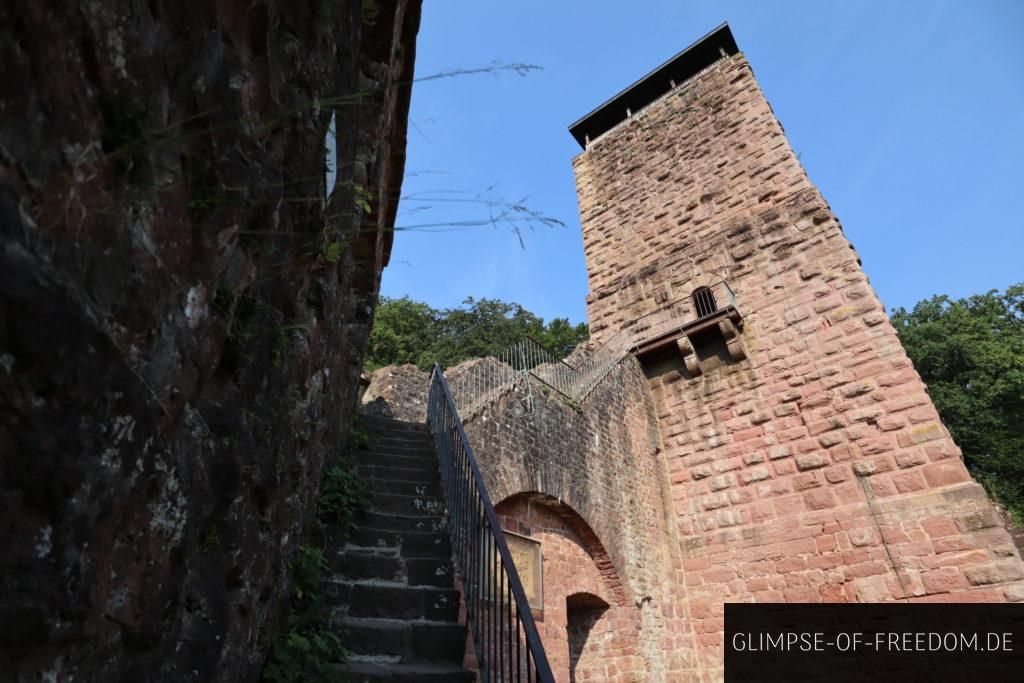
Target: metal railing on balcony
<point>703,303</point>
<point>476,384</point>
<point>508,647</point>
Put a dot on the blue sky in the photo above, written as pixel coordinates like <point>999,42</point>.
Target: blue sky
<point>909,116</point>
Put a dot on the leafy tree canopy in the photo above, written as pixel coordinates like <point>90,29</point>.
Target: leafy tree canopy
<point>407,331</point>
<point>970,353</point>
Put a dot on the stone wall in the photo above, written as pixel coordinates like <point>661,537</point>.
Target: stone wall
<point>815,469</point>
<point>397,391</point>
<point>600,459</point>
<point>578,598</point>
<point>596,471</point>
<point>183,311</point>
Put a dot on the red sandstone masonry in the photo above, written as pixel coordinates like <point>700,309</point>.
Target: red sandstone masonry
<point>572,570</point>
<point>598,500</point>
<point>817,469</point>
<point>599,464</point>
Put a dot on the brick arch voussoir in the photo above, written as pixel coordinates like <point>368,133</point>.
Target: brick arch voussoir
<point>589,539</point>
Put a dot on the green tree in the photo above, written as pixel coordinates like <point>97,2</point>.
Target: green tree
<point>402,331</point>
<point>407,331</point>
<point>970,353</point>
<point>561,336</point>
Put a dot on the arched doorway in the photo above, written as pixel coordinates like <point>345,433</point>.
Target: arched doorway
<point>583,611</point>
<point>582,593</point>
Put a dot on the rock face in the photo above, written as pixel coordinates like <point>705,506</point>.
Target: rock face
<point>397,391</point>
<point>183,309</point>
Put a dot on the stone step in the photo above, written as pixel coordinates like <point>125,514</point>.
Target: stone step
<point>402,602</point>
<point>414,450</point>
<point>411,642</point>
<point>413,544</point>
<point>428,489</point>
<point>407,673</point>
<point>375,422</point>
<point>391,432</point>
<point>410,462</point>
<point>392,585</point>
<point>420,432</point>
<point>386,522</point>
<point>379,472</point>
<point>412,428</point>
<point>398,504</point>
<point>399,440</point>
<point>429,571</point>
<point>407,429</point>
<point>400,429</point>
<point>363,565</point>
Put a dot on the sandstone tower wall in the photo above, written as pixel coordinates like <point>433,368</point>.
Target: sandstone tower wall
<point>805,459</point>
<point>773,446</point>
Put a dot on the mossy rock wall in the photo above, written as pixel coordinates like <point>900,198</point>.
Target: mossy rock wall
<point>183,309</point>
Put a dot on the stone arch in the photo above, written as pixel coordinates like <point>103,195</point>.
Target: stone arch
<point>583,592</point>
<point>589,539</point>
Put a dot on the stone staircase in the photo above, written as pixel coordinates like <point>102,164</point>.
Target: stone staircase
<point>395,606</point>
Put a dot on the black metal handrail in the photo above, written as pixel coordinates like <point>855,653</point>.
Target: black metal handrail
<point>504,633</point>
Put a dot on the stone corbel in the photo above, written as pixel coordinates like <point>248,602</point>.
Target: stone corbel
<point>689,357</point>
<point>733,342</point>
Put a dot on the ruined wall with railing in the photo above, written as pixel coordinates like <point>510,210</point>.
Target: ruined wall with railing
<point>597,462</point>
<point>602,459</point>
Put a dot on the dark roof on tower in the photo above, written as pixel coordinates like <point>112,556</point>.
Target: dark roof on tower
<point>684,65</point>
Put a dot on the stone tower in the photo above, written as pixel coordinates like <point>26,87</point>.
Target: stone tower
<point>805,459</point>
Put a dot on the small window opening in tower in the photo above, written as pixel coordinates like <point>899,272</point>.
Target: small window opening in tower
<point>704,301</point>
